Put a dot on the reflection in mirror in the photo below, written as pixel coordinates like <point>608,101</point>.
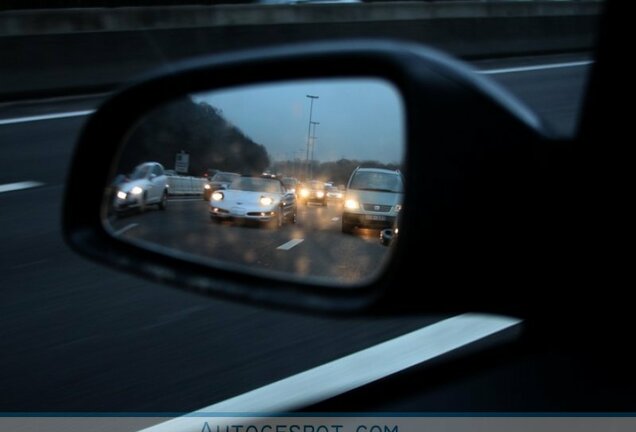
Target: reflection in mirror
<point>298,179</point>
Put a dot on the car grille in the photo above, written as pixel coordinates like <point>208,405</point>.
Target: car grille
<point>377,208</point>
<point>260,214</point>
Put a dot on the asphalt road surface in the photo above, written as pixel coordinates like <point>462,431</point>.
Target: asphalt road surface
<point>315,246</point>
<point>76,336</point>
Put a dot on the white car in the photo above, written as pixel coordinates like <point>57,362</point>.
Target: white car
<point>146,185</point>
<point>260,199</point>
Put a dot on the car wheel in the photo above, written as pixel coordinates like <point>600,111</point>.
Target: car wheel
<point>142,203</point>
<point>279,218</point>
<point>384,238</point>
<point>277,221</point>
<point>164,201</point>
<point>347,228</point>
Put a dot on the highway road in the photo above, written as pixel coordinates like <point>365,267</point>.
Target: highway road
<point>313,247</point>
<point>76,336</point>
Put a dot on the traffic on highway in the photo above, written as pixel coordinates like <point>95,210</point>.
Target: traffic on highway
<point>254,221</point>
<point>296,200</point>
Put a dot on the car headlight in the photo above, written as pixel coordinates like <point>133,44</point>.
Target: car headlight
<point>207,186</point>
<point>398,207</point>
<point>136,190</point>
<point>217,196</point>
<point>320,194</point>
<point>266,201</point>
<point>352,204</point>
<point>122,195</point>
<point>304,192</point>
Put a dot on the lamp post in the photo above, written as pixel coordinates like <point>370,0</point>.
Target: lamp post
<point>311,107</point>
<point>313,145</point>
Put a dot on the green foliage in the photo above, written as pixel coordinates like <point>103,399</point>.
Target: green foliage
<point>200,130</point>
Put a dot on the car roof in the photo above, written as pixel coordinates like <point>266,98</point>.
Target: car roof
<point>150,164</point>
<point>380,170</point>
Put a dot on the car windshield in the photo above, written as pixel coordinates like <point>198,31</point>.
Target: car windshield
<point>316,185</point>
<point>289,183</point>
<point>376,181</point>
<point>256,184</point>
<point>224,177</point>
<point>141,172</point>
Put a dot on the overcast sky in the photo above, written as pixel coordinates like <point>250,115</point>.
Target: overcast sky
<point>359,118</point>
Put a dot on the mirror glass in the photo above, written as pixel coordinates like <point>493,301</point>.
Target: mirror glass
<point>299,179</point>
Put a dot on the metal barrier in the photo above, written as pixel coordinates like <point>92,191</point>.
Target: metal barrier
<point>183,185</point>
<point>77,40</point>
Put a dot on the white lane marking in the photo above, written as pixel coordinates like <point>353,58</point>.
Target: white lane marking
<point>29,264</point>
<point>290,244</point>
<point>335,219</point>
<point>536,67</point>
<point>9,187</point>
<point>45,117</point>
<point>488,72</point>
<point>126,228</point>
<point>352,371</point>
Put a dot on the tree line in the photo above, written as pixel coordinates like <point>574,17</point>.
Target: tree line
<point>337,172</point>
<point>198,129</point>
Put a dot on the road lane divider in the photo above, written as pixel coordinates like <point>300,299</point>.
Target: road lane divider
<point>531,68</point>
<point>185,185</point>
<point>352,371</point>
<point>42,117</point>
<point>536,67</point>
<point>185,199</point>
<point>290,244</point>
<point>10,187</point>
<point>126,228</point>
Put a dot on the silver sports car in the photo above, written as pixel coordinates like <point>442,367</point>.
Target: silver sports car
<point>260,199</point>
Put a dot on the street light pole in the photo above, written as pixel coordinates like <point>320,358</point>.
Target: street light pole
<point>313,145</point>
<point>311,107</point>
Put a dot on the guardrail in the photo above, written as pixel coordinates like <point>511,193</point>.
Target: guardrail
<point>64,52</point>
<point>184,185</point>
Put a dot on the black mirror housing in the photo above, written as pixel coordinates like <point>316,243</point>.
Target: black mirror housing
<point>476,172</point>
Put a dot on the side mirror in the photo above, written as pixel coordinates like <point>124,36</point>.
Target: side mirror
<point>475,163</point>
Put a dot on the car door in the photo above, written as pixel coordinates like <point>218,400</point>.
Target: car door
<point>288,201</point>
<point>157,182</point>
